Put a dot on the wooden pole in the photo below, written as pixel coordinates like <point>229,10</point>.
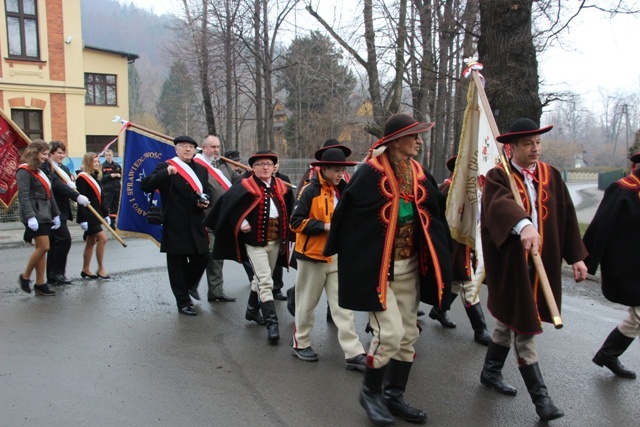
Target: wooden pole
<point>537,260</point>
<point>63,177</point>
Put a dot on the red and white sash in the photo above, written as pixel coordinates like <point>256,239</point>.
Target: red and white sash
<point>40,176</point>
<point>185,171</point>
<point>215,173</point>
<point>93,184</point>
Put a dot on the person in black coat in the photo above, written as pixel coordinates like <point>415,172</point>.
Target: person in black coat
<point>612,241</point>
<point>185,192</point>
<point>60,239</point>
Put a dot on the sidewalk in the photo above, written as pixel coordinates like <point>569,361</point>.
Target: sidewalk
<point>11,234</point>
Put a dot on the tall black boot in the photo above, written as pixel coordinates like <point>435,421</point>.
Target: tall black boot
<point>371,397</point>
<point>442,316</point>
<point>491,375</point>
<point>615,344</point>
<point>545,408</point>
<point>394,386</point>
<point>271,319</point>
<point>476,317</point>
<point>253,309</point>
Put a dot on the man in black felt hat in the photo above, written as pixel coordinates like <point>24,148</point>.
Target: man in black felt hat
<point>462,270</point>
<point>612,240</point>
<point>185,191</point>
<point>311,221</point>
<point>393,243</point>
<point>250,222</point>
<point>547,225</point>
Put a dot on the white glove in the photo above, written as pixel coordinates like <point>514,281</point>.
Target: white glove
<point>72,184</point>
<point>32,223</point>
<point>56,222</point>
<point>84,226</point>
<point>83,200</point>
<point>107,220</point>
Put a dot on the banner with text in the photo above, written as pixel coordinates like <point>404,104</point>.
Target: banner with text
<point>12,142</point>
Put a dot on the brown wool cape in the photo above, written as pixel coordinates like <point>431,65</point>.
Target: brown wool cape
<point>515,294</point>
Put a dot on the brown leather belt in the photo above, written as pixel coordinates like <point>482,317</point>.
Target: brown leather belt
<point>273,228</point>
<point>404,245</point>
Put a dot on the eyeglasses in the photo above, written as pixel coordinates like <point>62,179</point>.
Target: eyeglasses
<point>263,164</point>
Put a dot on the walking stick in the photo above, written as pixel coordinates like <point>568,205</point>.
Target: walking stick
<point>64,179</point>
<point>537,260</point>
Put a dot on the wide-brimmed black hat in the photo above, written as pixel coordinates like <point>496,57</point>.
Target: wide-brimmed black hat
<point>332,143</point>
<point>263,154</point>
<point>185,138</point>
<point>232,154</point>
<point>333,157</point>
<point>522,127</point>
<point>635,157</point>
<point>399,125</point>
<point>451,163</point>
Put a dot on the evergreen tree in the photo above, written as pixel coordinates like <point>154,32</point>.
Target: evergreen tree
<point>135,105</point>
<point>176,103</point>
<point>318,87</point>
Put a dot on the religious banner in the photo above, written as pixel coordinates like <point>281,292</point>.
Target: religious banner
<point>12,142</point>
<point>142,152</point>
<point>477,153</point>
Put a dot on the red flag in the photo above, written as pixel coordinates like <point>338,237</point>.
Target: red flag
<point>12,142</point>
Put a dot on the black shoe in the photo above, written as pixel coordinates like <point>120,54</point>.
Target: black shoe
<point>442,317</point>
<point>88,276</point>
<point>615,344</point>
<point>357,363</point>
<point>279,296</point>
<point>58,279</point>
<point>25,284</point>
<point>307,354</point>
<point>421,313</point>
<point>107,277</point>
<point>194,294</point>
<point>43,290</point>
<point>187,311</point>
<point>222,298</point>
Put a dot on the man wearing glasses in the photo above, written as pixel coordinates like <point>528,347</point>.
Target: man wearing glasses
<point>250,222</point>
<point>185,192</point>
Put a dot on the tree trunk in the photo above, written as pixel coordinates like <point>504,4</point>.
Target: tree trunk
<point>508,54</point>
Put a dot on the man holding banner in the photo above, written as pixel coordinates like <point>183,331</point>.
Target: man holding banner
<point>544,223</point>
<point>185,193</point>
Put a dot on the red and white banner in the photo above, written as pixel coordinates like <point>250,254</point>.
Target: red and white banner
<point>12,142</point>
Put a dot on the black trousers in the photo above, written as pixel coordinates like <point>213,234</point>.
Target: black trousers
<point>59,246</point>
<point>185,272</point>
<point>111,200</point>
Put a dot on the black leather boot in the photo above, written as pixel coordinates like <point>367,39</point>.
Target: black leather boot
<point>371,397</point>
<point>615,344</point>
<point>394,386</point>
<point>545,408</point>
<point>253,309</point>
<point>271,319</point>
<point>442,316</point>
<point>491,375</point>
<point>476,317</point>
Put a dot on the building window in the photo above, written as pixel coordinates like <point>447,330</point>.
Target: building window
<point>101,89</point>
<point>95,143</point>
<point>22,29</point>
<point>30,121</point>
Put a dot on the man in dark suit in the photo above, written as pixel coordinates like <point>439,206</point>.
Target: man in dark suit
<point>60,238</point>
<point>185,192</point>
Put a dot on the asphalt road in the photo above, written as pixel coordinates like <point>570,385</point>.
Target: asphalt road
<point>117,353</point>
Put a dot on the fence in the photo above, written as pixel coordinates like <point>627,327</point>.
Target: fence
<point>607,178</point>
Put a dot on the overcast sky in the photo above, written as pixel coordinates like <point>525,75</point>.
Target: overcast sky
<point>601,53</point>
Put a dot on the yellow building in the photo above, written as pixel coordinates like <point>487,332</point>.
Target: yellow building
<point>51,84</point>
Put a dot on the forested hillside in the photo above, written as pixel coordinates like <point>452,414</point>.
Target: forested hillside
<point>110,25</point>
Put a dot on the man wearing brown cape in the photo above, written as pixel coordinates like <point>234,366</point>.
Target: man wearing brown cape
<point>510,235</point>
